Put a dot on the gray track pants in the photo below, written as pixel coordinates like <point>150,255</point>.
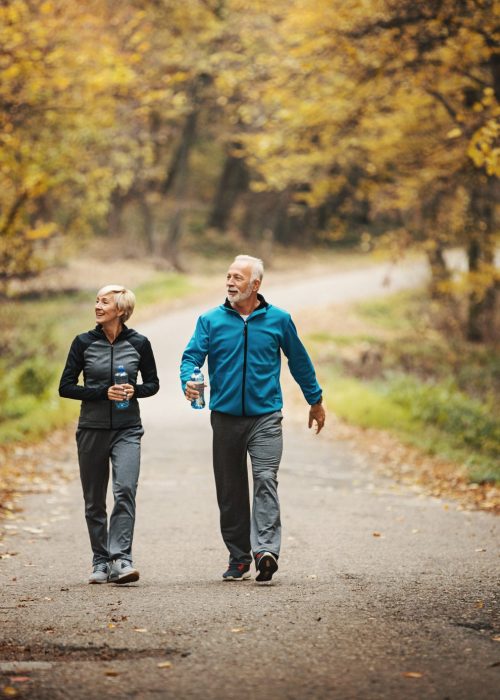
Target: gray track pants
<point>262,438</point>
<point>96,448</point>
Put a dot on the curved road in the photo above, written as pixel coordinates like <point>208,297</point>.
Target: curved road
<point>381,594</point>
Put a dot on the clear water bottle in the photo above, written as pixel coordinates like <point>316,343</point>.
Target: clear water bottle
<point>198,379</point>
<point>121,377</point>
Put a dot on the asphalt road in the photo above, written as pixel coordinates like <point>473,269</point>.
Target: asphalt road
<point>382,592</point>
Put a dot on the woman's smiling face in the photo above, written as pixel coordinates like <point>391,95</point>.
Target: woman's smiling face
<point>105,309</point>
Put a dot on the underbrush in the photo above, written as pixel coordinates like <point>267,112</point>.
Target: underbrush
<point>433,390</point>
<point>35,335</point>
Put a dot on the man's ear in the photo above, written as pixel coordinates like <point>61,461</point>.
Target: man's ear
<point>256,285</point>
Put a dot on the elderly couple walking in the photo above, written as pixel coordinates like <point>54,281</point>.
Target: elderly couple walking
<point>242,341</point>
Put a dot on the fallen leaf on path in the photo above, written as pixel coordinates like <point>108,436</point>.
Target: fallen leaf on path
<point>479,604</point>
<point>9,692</point>
<point>377,534</point>
<point>494,665</point>
<point>111,672</point>
<point>496,638</point>
<point>481,549</point>
<point>165,664</point>
<point>111,626</point>
<point>238,629</point>
<point>33,530</point>
<point>140,629</point>
<point>412,674</point>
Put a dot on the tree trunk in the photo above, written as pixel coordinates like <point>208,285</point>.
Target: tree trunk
<point>148,225</point>
<point>233,181</point>
<point>175,186</point>
<point>482,319</point>
<point>439,272</point>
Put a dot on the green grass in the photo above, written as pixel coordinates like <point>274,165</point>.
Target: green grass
<point>437,419</point>
<point>433,391</point>
<point>35,335</point>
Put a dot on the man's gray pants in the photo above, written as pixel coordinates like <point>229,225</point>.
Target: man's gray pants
<point>96,449</point>
<point>262,438</point>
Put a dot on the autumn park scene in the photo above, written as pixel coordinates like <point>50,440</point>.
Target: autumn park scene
<point>352,146</point>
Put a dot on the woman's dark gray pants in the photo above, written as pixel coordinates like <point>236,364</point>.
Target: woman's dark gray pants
<point>96,449</point>
<point>260,437</point>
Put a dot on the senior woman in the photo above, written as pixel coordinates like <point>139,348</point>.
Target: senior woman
<point>109,434</point>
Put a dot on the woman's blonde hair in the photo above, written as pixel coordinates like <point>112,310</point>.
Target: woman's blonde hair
<point>124,299</point>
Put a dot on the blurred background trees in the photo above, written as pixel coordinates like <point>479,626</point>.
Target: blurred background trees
<point>175,125</point>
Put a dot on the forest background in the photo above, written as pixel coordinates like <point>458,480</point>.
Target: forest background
<point>182,132</point>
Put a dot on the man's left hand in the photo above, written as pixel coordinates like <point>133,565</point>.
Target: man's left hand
<point>317,415</point>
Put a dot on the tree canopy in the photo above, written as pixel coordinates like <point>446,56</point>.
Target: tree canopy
<point>376,120</point>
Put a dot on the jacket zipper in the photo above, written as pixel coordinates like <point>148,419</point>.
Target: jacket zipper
<point>245,347</point>
<point>112,382</point>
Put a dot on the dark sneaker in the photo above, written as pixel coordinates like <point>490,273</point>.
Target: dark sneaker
<point>122,571</point>
<point>237,572</point>
<point>267,565</point>
<point>99,573</point>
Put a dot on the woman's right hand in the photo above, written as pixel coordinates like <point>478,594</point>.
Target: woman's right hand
<point>120,392</point>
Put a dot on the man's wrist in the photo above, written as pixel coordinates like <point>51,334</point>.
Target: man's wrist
<point>318,402</point>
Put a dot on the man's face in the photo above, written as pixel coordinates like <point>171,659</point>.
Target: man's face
<point>238,284</point>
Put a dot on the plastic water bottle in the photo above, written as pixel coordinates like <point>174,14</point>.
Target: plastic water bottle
<point>197,378</point>
<point>121,377</point>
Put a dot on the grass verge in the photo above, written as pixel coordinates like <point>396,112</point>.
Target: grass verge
<point>396,372</point>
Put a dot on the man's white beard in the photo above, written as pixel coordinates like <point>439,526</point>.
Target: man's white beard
<point>240,296</point>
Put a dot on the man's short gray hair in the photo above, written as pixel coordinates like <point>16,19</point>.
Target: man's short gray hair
<point>256,263</point>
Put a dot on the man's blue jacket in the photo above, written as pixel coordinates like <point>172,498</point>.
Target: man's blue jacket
<point>244,359</point>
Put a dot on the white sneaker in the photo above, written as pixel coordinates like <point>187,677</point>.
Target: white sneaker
<point>122,571</point>
<point>99,573</point>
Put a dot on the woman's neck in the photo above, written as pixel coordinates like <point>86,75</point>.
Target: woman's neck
<point>112,330</point>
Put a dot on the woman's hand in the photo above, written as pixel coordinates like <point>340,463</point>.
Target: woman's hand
<point>120,392</point>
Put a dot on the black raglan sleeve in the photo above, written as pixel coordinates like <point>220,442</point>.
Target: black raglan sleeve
<point>147,367</point>
<point>68,385</point>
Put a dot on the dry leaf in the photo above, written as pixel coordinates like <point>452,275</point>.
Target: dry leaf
<point>377,534</point>
<point>165,664</point>
<point>111,626</point>
<point>140,629</point>
<point>9,692</point>
<point>238,629</point>
<point>111,672</point>
<point>479,604</point>
<point>496,638</point>
<point>480,549</point>
<point>412,674</point>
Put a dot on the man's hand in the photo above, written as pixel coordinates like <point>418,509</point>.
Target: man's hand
<point>317,414</point>
<point>191,393</point>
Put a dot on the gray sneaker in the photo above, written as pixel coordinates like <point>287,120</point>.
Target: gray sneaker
<point>122,571</point>
<point>99,573</point>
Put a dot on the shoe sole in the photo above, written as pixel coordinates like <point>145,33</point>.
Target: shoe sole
<point>268,566</point>
<point>128,578</point>
<point>245,577</point>
<point>98,582</point>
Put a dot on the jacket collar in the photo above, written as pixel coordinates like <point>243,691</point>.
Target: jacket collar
<point>98,331</point>
<point>262,305</point>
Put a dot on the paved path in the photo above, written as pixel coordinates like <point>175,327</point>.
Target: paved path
<point>382,593</point>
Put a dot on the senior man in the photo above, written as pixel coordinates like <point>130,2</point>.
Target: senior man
<point>242,340</point>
